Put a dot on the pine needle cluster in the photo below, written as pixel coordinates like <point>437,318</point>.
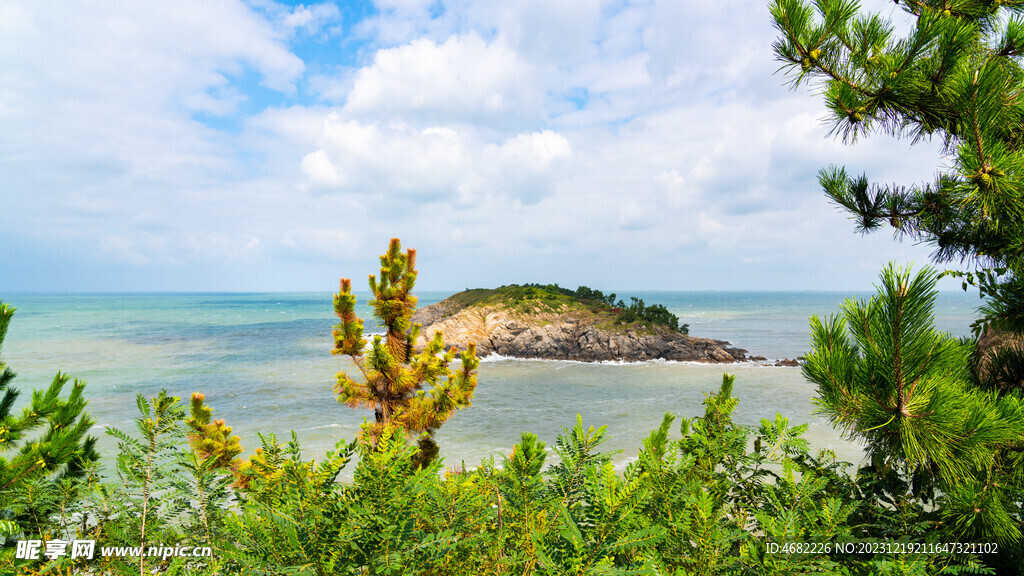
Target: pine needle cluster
<point>62,453</point>
<point>211,439</point>
<point>887,377</point>
<point>955,76</point>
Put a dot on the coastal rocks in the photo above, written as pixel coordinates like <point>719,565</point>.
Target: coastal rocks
<point>571,335</point>
<point>787,362</point>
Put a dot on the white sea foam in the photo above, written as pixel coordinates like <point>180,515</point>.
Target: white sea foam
<point>325,426</point>
<point>621,465</point>
<point>495,357</point>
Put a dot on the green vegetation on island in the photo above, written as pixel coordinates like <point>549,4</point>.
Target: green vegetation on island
<point>552,297</point>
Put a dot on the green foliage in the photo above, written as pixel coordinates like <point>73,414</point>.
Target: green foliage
<point>464,512</point>
<point>594,526</point>
<point>638,311</point>
<point>523,500</point>
<point>897,383</point>
<point>708,521</point>
<point>576,451</point>
<point>211,440</point>
<point>382,522</point>
<point>601,533</point>
<point>522,482</point>
<point>702,503</point>
<point>944,454</point>
<point>550,294</point>
<point>165,493</point>
<point>140,509</point>
<point>290,512</point>
<point>713,499</point>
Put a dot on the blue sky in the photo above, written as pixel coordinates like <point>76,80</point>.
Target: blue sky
<point>264,146</point>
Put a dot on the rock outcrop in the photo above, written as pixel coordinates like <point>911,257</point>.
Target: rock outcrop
<point>572,333</point>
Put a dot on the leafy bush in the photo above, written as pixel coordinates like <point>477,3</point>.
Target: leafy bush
<point>707,502</point>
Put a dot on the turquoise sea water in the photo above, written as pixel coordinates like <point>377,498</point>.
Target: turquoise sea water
<point>264,363</point>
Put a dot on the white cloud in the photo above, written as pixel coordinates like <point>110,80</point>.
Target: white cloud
<point>99,105</point>
<point>626,74</point>
<point>404,6</point>
<point>320,244</point>
<point>317,166</point>
<point>398,162</point>
<point>124,249</point>
<point>416,164</point>
<point>709,226</point>
<point>553,32</point>
<point>534,152</point>
<point>462,79</point>
<point>310,19</point>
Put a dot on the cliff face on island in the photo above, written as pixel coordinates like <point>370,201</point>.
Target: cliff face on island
<point>562,332</point>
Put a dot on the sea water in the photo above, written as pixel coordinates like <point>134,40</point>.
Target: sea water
<point>264,363</point>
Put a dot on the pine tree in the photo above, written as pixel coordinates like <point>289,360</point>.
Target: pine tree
<point>957,77</point>
<point>63,452</point>
<point>886,377</point>
<point>209,468</point>
<point>212,440</point>
<point>942,418</point>
<point>416,391</point>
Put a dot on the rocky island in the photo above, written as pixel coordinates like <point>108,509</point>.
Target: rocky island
<point>554,323</point>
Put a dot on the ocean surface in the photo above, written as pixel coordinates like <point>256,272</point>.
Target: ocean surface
<point>264,363</point>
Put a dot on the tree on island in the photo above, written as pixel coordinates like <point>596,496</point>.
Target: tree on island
<point>415,391</point>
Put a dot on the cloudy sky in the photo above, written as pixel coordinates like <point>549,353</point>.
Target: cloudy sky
<point>262,146</point>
